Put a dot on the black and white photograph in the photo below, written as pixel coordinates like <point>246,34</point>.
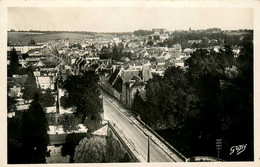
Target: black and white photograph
<point>138,84</point>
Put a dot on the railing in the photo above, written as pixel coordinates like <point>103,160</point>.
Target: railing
<point>127,144</point>
<point>174,150</point>
<point>171,148</point>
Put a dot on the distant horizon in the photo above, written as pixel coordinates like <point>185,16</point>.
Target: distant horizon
<point>127,19</point>
<point>119,32</point>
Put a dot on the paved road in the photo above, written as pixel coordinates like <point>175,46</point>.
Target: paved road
<point>134,134</point>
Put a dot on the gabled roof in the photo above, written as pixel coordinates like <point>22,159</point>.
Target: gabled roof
<point>39,64</point>
<point>113,76</point>
<point>118,84</point>
<point>128,74</point>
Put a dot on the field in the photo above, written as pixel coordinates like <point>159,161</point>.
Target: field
<point>25,37</point>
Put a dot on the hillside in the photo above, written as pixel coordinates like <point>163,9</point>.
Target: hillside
<point>25,37</point>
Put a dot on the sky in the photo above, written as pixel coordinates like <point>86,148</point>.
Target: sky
<point>127,19</point>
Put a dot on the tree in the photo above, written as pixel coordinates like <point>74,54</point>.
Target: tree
<point>84,94</point>
<point>93,122</point>
<point>104,53</point>
<point>137,103</point>
<point>170,100</point>
<point>236,103</point>
<point>69,122</point>
<point>11,104</point>
<point>32,42</point>
<point>99,149</point>
<point>116,54</point>
<point>142,32</point>
<point>47,99</point>
<point>34,131</point>
<point>30,87</point>
<point>91,150</point>
<point>65,102</point>
<point>25,55</point>
<point>14,62</point>
<point>15,153</point>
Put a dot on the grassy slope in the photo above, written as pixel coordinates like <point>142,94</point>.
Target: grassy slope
<point>25,37</point>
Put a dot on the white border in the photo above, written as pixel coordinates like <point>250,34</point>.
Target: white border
<point>4,4</point>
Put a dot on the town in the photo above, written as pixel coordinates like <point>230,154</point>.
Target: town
<point>144,96</point>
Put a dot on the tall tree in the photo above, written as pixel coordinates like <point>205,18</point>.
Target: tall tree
<point>236,103</point>
<point>34,132</point>
<point>170,99</point>
<point>14,62</point>
<point>47,99</point>
<point>30,87</point>
<point>84,94</point>
<point>116,54</point>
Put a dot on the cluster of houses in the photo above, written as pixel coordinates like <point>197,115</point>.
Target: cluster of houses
<point>43,70</point>
<point>122,78</point>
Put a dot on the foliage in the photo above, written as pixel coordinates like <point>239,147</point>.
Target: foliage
<point>25,55</point>
<point>137,102</point>
<point>170,100</point>
<point>30,87</point>
<point>34,131</point>
<point>51,118</point>
<point>142,32</point>
<point>93,122</point>
<point>84,94</point>
<point>98,149</point>
<point>14,154</point>
<point>116,53</point>
<point>11,104</point>
<point>32,42</point>
<point>69,122</point>
<point>212,98</point>
<point>65,102</point>
<point>104,53</point>
<point>14,63</point>
<point>47,99</point>
<point>72,140</point>
<point>91,150</point>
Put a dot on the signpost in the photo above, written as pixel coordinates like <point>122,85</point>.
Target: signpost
<point>218,145</point>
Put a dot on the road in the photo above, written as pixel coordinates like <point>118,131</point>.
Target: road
<point>134,134</point>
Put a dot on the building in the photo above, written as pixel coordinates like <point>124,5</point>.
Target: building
<point>23,48</point>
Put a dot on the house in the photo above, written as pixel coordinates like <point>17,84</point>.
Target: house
<point>35,52</point>
<point>179,63</point>
<point>45,82</point>
<point>24,48</point>
<point>160,61</point>
<point>32,60</point>
<point>125,59</point>
<point>131,87</point>
<point>124,83</point>
<point>166,55</point>
<point>39,64</point>
<point>14,89</point>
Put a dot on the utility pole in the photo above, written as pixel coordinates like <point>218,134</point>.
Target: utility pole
<point>57,104</point>
<point>218,146</point>
<point>148,154</point>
